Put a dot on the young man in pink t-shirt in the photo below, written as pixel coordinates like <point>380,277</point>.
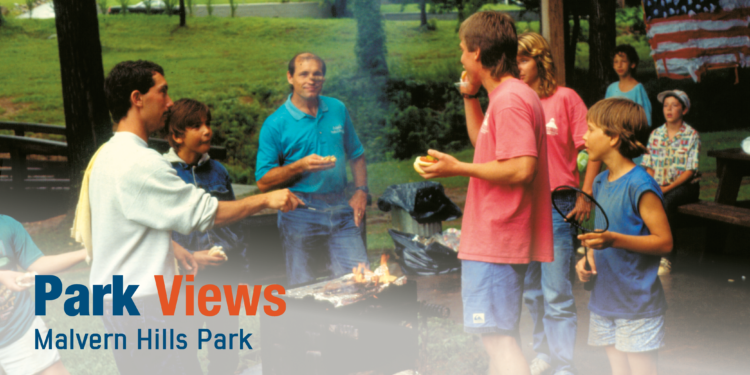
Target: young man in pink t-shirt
<point>507,218</point>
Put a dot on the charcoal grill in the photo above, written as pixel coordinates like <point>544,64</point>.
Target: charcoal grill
<point>377,331</point>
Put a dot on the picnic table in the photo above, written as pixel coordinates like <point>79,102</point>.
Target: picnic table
<point>731,166</point>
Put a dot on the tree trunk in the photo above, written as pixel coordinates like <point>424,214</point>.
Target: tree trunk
<point>602,41</point>
<point>182,12</point>
<point>571,40</point>
<point>371,45</point>
<point>87,121</point>
<point>422,12</point>
<point>339,8</point>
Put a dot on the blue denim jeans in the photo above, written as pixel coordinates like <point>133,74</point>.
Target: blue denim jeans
<point>328,228</point>
<point>548,293</point>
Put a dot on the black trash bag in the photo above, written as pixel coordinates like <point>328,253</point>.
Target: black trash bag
<point>425,201</point>
<point>418,259</point>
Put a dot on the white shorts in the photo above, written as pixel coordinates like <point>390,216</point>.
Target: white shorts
<point>20,357</point>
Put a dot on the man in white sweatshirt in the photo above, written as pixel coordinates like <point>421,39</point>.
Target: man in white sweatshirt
<point>137,200</point>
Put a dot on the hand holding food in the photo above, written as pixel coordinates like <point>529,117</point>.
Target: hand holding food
<point>467,87</point>
<point>438,164</point>
<point>423,161</point>
<point>316,163</point>
<point>26,280</point>
<point>462,82</point>
<point>218,251</point>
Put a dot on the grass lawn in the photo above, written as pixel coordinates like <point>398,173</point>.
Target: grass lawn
<point>210,55</point>
<point>414,8</point>
<point>217,2</point>
<point>10,4</point>
<point>222,55</point>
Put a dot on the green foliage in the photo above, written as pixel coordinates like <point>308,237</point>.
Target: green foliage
<point>169,6</point>
<point>370,49</point>
<point>147,4</point>
<point>233,4</point>
<point>124,6</point>
<point>367,87</point>
<point>102,6</point>
<point>190,7</point>
<point>210,7</point>
<point>29,6</point>
<point>465,8</point>
<point>431,24</point>
<point>425,115</point>
<point>364,97</point>
<point>237,128</point>
<point>630,21</point>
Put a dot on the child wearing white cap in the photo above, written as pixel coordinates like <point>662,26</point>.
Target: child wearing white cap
<point>672,159</point>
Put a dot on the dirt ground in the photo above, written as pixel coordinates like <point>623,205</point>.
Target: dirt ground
<point>707,323</point>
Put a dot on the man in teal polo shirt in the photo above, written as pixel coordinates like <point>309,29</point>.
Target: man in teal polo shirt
<point>303,147</point>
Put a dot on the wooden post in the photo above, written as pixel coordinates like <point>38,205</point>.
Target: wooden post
<point>552,19</point>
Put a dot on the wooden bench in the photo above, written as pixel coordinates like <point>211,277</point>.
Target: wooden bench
<point>34,173</point>
<point>717,215</point>
<point>717,212</point>
<point>18,173</point>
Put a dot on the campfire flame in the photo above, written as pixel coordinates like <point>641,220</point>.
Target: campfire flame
<point>384,266</point>
<point>363,275</point>
<point>359,273</point>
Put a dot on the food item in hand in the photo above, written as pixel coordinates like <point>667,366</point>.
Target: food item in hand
<point>583,161</point>
<point>26,280</point>
<point>423,161</point>
<point>218,250</point>
<point>329,158</point>
<point>463,76</point>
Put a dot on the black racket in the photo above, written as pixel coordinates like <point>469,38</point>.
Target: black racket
<point>564,199</point>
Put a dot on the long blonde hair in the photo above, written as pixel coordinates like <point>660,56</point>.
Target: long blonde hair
<point>533,45</point>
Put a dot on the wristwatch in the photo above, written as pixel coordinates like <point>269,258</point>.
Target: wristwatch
<point>467,96</point>
<point>363,188</point>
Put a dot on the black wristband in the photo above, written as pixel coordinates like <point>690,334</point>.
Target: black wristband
<point>467,96</point>
<point>363,188</point>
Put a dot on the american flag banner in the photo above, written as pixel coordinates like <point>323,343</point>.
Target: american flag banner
<point>690,37</point>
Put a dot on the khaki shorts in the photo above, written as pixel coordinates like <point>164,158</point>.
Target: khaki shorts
<point>20,357</point>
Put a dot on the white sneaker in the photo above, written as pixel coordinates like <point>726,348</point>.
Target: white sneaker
<point>539,366</point>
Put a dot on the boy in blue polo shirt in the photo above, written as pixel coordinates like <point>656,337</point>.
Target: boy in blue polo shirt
<point>304,146</point>
<point>627,303</point>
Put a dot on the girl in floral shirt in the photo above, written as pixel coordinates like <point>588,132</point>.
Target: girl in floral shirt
<point>672,159</point>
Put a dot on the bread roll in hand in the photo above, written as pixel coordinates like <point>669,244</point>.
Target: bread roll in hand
<point>423,161</point>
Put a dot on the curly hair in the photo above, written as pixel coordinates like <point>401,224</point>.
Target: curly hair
<point>533,45</point>
<point>625,119</point>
